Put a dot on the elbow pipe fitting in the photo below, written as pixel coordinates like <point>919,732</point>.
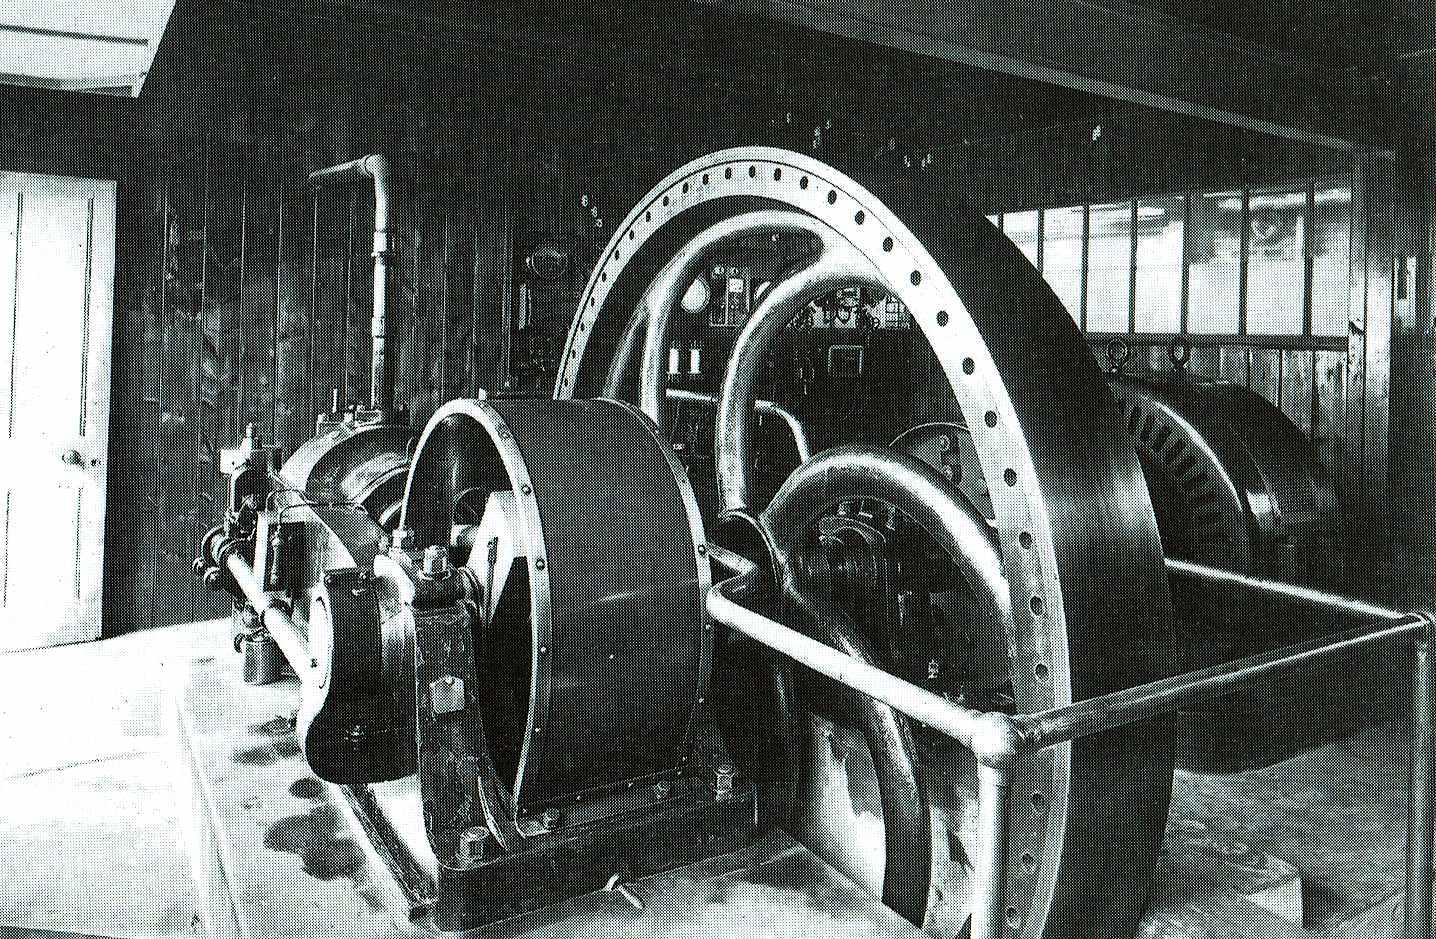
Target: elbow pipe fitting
<point>376,167</point>
<point>999,739</point>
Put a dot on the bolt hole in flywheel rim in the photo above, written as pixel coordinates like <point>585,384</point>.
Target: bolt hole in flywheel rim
<point>1078,538</point>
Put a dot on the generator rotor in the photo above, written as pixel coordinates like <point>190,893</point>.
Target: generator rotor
<point>1087,606</point>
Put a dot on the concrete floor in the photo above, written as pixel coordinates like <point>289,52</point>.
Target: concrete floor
<point>90,841</point>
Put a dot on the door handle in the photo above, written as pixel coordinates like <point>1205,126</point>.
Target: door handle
<point>72,457</point>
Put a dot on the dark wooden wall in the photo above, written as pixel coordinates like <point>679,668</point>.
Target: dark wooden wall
<point>244,298</point>
<point>248,297</point>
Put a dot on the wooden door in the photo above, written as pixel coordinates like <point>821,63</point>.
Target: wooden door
<point>57,271</point>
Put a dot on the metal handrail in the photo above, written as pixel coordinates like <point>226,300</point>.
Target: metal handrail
<point>1130,705</point>
<point>998,740</point>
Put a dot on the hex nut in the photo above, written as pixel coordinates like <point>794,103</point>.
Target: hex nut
<point>436,562</point>
<point>723,775</point>
<point>446,696</point>
<point>473,844</point>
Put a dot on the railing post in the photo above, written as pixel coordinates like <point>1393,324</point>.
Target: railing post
<point>989,908</point>
<point>1422,780</point>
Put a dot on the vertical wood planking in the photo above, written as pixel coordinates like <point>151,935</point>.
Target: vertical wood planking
<point>1329,431</point>
<point>1206,361</point>
<point>1352,481</point>
<point>131,540</point>
<point>1380,304</point>
<point>292,281</point>
<point>460,260</point>
<point>259,297</point>
<point>1236,365</point>
<point>1296,388</point>
<point>351,303</point>
<point>1266,374</point>
<point>330,353</point>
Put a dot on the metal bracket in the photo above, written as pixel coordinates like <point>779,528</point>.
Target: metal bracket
<point>458,783</point>
<point>277,545</point>
<point>446,696</point>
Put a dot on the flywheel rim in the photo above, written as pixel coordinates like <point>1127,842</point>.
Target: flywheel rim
<point>1093,571</point>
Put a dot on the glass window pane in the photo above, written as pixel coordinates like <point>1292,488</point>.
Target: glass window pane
<point>1109,268</point>
<point>1330,250</point>
<point>1276,265</point>
<point>1214,274</point>
<point>1062,256</point>
<point>1021,227</point>
<point>1159,265</point>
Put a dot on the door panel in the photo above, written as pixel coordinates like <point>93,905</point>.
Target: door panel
<point>57,257</point>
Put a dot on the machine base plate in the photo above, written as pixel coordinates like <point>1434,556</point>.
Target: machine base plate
<point>279,853</point>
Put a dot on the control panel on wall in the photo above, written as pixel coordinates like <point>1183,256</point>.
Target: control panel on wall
<point>537,311</point>
<point>844,358</point>
<point>834,366</point>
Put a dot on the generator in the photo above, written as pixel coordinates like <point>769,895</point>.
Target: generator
<point>509,610</point>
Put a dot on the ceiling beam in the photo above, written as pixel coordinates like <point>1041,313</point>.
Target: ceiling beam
<point>22,29</point>
<point>122,85</point>
<point>1110,49</point>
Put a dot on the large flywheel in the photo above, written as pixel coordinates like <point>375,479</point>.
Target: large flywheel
<point>1086,609</point>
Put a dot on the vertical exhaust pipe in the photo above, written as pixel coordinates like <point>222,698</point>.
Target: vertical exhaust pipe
<point>374,167</point>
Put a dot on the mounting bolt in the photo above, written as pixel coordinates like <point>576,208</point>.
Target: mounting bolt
<point>661,789</point>
<point>436,562</point>
<point>549,819</point>
<point>473,844</point>
<point>723,780</point>
<point>622,886</point>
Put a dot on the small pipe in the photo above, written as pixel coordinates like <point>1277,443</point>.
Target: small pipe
<point>795,425</point>
<point>1330,602</point>
<point>906,814</point>
<point>1131,705</point>
<point>376,167</point>
<point>840,265</point>
<point>272,614</point>
<point>986,735</point>
<point>731,561</point>
<point>1422,779</point>
<point>989,899</point>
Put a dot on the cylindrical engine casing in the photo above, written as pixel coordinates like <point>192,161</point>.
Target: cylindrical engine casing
<point>608,660</point>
